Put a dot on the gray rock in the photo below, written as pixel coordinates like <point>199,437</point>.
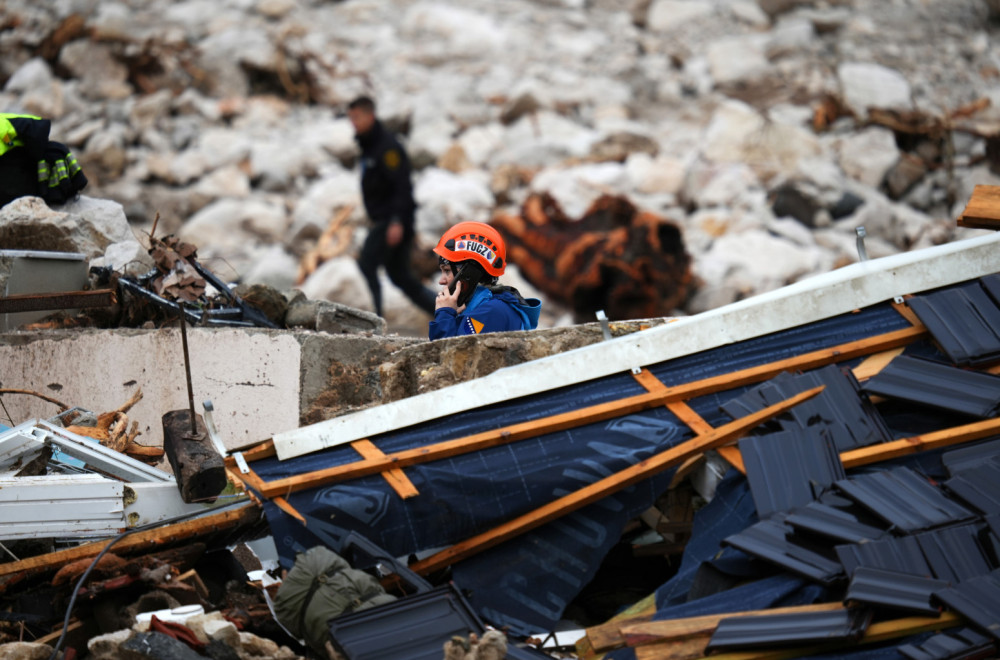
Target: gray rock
<point>736,60</point>
<point>156,646</point>
<point>25,651</point>
<point>865,85</point>
<point>33,74</point>
<point>868,155</point>
<point>666,15</point>
<point>107,646</point>
<point>85,225</point>
<point>904,175</point>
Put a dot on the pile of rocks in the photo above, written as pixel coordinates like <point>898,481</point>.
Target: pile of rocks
<point>766,129</point>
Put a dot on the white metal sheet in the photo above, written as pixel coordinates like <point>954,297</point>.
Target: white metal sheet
<point>61,505</point>
<point>152,502</point>
<point>813,299</point>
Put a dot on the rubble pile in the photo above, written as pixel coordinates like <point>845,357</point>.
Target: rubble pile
<point>767,131</point>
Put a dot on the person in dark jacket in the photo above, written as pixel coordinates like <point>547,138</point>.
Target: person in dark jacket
<point>472,256</point>
<point>388,196</point>
<point>33,165</point>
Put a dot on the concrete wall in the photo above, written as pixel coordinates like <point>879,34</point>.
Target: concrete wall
<point>251,376</point>
<point>261,382</point>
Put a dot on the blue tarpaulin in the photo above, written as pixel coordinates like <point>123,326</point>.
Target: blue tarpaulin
<point>526,583</point>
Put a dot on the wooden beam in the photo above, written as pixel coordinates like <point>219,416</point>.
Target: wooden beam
<point>476,442</point>
<point>156,536</point>
<point>576,418</point>
<point>607,636</point>
<point>918,443</point>
<point>396,478</point>
<point>983,209</point>
<point>283,504</point>
<point>733,457</point>
<point>874,364</point>
<point>604,487</point>
<point>803,362</point>
<point>637,634</point>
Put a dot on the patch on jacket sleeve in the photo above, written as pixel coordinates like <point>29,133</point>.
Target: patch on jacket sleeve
<point>474,326</point>
<point>392,159</point>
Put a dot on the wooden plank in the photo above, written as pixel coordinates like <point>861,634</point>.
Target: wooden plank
<point>604,487</point>
<point>907,313</point>
<point>137,541</point>
<point>261,451</point>
<point>476,442</point>
<point>395,477</point>
<point>283,504</point>
<point>983,209</point>
<point>877,632</point>
<point>588,415</point>
<point>637,634</point>
<point>734,457</point>
<point>685,649</point>
<point>875,363</point>
<point>918,443</point>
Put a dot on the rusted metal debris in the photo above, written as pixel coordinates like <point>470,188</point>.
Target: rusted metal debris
<point>630,263</point>
<point>53,301</point>
<point>179,285</point>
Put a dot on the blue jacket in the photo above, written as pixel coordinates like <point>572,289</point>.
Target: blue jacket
<point>486,312</point>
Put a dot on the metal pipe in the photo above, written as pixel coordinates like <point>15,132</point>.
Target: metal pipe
<point>187,373</point>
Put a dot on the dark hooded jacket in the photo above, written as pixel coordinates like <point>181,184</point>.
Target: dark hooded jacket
<point>385,178</point>
<point>491,309</point>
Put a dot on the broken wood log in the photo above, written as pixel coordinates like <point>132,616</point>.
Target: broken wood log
<point>616,258</point>
<point>200,471</point>
<point>609,485</point>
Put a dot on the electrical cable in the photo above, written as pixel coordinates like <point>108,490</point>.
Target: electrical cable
<point>86,573</point>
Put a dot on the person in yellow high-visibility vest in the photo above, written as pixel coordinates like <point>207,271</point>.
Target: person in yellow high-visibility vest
<point>31,164</point>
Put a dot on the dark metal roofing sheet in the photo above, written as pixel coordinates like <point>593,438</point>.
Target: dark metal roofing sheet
<point>786,470</point>
<point>418,627</point>
<point>963,644</point>
<point>832,522</point>
<point>954,553</point>
<point>790,629</point>
<point>978,600</point>
<point>979,486</point>
<point>971,455</point>
<point>964,321</point>
<point>850,420</point>
<point>893,590</point>
<point>904,499</point>
<point>768,540</point>
<point>937,385</point>
<point>901,554</point>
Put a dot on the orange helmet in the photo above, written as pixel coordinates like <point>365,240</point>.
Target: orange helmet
<point>477,241</point>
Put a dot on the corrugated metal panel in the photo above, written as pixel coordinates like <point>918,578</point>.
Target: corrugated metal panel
<point>786,470</point>
<point>964,321</point>
<point>891,554</point>
<point>937,385</point>
<point>964,644</point>
<point>904,499</point>
<point>954,553</point>
<point>412,628</point>
<point>957,460</point>
<point>831,522</point>
<point>61,505</point>
<point>850,420</point>
<point>893,590</point>
<point>768,540</point>
<point>978,600</point>
<point>978,486</point>
<point>790,629</point>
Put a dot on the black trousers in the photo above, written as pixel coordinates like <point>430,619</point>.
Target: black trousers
<point>396,259</point>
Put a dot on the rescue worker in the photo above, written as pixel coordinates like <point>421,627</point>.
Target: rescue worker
<point>472,256</point>
<point>32,165</point>
<point>388,196</point>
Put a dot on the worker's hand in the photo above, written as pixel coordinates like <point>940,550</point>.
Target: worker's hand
<point>394,234</point>
<point>448,299</point>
